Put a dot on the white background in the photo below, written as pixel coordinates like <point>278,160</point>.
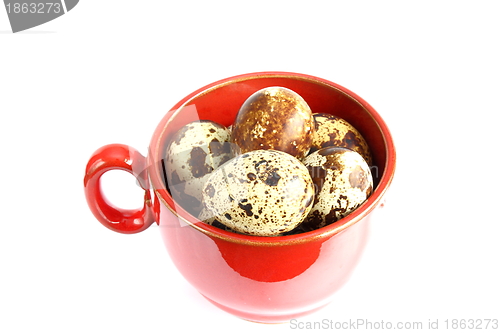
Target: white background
<point>108,71</point>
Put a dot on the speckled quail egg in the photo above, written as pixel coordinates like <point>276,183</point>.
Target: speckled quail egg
<point>334,131</point>
<point>342,180</point>
<point>274,118</point>
<point>207,217</point>
<point>261,192</point>
<point>192,154</point>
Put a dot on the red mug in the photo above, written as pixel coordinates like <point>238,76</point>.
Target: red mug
<point>262,279</point>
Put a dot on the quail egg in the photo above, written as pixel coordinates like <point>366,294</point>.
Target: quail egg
<point>192,154</point>
<point>334,131</point>
<point>207,217</point>
<point>342,180</point>
<point>274,118</point>
<point>261,192</point>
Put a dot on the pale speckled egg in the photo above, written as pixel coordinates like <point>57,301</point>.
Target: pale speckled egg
<point>342,180</point>
<point>274,118</point>
<point>335,131</point>
<point>261,192</point>
<point>192,154</point>
<point>207,217</point>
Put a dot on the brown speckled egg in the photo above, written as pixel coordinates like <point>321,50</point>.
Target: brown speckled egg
<point>334,131</point>
<point>261,192</point>
<point>274,118</point>
<point>193,153</point>
<point>342,180</point>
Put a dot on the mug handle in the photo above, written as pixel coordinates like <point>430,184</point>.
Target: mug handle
<point>118,157</point>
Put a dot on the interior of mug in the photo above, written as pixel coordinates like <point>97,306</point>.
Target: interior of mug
<point>221,101</point>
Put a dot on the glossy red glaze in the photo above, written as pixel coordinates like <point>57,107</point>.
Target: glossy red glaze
<point>117,157</point>
<point>266,279</point>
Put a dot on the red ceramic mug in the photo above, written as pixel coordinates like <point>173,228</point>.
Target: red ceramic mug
<point>262,279</point>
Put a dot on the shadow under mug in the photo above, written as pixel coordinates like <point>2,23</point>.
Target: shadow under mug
<point>262,279</point>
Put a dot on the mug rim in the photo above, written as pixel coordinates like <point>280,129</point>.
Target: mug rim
<point>325,232</point>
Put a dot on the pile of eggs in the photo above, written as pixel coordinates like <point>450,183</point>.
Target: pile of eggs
<point>279,169</point>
